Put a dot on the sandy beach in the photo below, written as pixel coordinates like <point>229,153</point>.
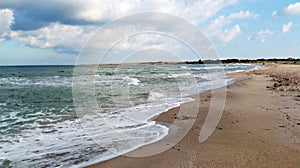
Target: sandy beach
<point>260,126</point>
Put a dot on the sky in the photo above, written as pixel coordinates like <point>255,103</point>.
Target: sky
<point>57,31</point>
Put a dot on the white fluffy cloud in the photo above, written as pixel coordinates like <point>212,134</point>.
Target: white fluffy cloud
<point>216,27</point>
<point>99,12</point>
<point>242,15</point>
<point>263,34</point>
<point>95,10</point>
<point>274,14</point>
<point>61,23</point>
<point>55,35</point>
<point>287,27</point>
<point>231,33</point>
<point>194,11</point>
<point>6,19</point>
<point>292,8</point>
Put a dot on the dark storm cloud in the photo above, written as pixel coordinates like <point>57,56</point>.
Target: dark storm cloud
<point>31,15</point>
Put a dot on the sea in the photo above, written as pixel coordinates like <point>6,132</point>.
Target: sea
<point>41,125</point>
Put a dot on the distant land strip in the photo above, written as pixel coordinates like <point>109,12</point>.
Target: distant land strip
<point>222,61</point>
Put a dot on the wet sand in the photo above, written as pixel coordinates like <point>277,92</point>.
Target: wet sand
<point>260,127</point>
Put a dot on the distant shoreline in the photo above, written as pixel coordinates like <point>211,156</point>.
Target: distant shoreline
<point>222,61</point>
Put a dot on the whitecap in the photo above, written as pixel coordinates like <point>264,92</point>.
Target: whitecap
<point>183,67</point>
<point>180,75</point>
<point>132,81</point>
<point>155,96</point>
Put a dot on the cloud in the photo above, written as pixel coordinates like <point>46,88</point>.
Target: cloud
<point>286,27</point>
<point>194,11</point>
<point>242,15</point>
<point>64,24</point>
<point>6,20</point>
<point>292,8</point>
<point>263,34</point>
<point>249,38</point>
<point>231,33</point>
<point>216,27</point>
<point>99,12</point>
<point>55,35</point>
<point>66,12</point>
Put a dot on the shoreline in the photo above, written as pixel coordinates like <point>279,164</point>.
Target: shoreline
<point>264,129</point>
<point>160,119</point>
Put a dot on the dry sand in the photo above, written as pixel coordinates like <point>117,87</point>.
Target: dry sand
<point>260,127</point>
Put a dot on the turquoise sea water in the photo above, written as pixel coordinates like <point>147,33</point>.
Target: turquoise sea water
<point>39,125</point>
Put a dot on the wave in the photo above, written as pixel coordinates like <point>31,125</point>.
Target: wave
<point>65,144</point>
<point>18,82</point>
<point>183,67</point>
<point>155,96</point>
<point>180,75</point>
<point>132,81</point>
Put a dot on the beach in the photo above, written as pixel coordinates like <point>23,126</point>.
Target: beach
<point>260,126</point>
<point>149,84</point>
